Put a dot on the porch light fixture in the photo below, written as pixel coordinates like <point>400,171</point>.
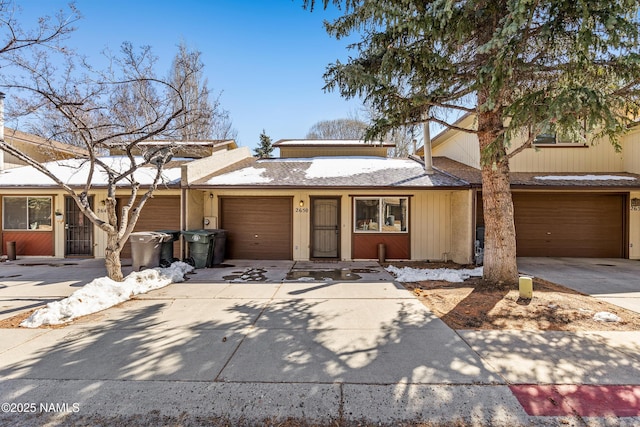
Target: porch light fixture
<point>301,203</point>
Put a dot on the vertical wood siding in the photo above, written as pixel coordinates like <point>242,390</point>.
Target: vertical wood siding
<point>431,225</point>
<point>631,152</point>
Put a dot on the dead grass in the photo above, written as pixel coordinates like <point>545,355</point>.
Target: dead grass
<point>477,304</point>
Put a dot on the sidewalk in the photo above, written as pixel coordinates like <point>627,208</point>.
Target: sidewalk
<point>276,340</point>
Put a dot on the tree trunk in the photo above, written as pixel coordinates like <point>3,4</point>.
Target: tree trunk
<point>112,258</point>
<point>500,236</point>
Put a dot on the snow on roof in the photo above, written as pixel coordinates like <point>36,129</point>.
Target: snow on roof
<point>198,143</point>
<point>75,172</point>
<point>330,142</point>
<point>585,178</point>
<point>329,167</point>
<point>249,175</point>
<point>346,171</point>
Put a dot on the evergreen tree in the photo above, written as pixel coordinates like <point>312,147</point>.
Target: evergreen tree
<point>520,66</point>
<point>265,148</point>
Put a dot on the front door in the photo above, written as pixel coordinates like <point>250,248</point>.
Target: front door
<point>78,230</point>
<point>325,227</point>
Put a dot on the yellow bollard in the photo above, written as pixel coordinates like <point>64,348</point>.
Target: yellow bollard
<point>526,287</point>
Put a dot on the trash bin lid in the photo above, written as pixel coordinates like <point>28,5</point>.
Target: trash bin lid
<point>202,236</point>
<point>174,234</point>
<point>149,236</point>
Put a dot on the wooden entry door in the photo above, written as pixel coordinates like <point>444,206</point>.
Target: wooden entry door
<point>78,230</point>
<point>325,227</point>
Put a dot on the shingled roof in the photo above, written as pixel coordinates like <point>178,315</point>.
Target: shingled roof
<point>548,180</point>
<point>344,172</point>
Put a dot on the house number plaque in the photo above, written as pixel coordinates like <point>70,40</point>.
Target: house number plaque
<point>635,204</point>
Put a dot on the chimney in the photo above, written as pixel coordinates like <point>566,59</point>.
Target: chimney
<point>428,160</point>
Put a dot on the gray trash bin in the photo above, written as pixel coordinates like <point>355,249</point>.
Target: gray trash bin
<point>166,252</point>
<point>146,247</point>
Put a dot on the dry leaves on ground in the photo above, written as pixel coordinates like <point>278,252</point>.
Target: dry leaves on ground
<point>477,304</point>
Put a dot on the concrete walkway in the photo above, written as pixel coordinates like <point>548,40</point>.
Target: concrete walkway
<point>273,340</point>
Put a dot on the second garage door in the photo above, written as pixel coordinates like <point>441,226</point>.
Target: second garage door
<point>257,227</point>
<point>158,213</point>
<point>570,225</point>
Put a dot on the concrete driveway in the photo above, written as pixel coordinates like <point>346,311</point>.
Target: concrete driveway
<point>278,339</point>
<point>616,281</point>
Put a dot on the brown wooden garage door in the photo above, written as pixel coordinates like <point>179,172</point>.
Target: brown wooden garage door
<point>159,213</point>
<point>570,225</point>
<point>257,227</point>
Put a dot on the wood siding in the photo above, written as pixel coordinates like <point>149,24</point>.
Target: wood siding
<point>430,226</point>
<point>159,213</point>
<point>431,219</point>
<point>29,243</point>
<point>257,227</point>
<point>601,157</point>
<point>631,152</point>
<point>462,147</point>
<point>570,225</point>
<point>305,152</point>
<point>365,245</point>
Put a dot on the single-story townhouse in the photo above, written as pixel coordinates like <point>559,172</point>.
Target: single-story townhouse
<point>43,220</point>
<point>318,205</point>
<point>340,200</point>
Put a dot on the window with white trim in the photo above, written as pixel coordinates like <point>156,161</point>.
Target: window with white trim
<point>381,214</point>
<point>26,213</point>
<point>549,136</point>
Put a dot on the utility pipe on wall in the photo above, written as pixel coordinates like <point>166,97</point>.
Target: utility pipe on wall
<point>428,160</point>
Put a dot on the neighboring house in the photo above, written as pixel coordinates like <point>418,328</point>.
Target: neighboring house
<point>31,203</point>
<point>40,149</point>
<point>187,149</point>
<point>44,221</point>
<point>333,200</point>
<point>340,200</point>
<point>570,199</point>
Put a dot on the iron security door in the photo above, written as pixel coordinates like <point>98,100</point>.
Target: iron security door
<point>78,230</point>
<point>325,226</point>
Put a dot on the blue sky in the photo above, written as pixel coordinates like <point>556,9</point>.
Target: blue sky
<point>267,57</point>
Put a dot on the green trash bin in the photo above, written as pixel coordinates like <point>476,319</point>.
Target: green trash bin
<point>201,247</point>
<point>219,246</point>
<point>166,251</point>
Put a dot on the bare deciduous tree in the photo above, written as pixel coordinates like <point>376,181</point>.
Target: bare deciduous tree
<point>213,121</point>
<point>122,105</point>
<point>338,129</point>
<point>48,33</point>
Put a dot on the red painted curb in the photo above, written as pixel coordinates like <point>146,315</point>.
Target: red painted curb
<point>582,400</point>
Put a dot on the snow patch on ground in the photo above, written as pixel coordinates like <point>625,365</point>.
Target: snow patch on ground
<point>409,274</point>
<point>102,293</point>
<point>605,316</point>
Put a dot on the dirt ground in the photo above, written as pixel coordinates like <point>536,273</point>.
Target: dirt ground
<point>476,304</point>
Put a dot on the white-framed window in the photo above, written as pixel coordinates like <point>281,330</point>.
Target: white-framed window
<point>380,214</point>
<point>26,213</point>
<point>549,136</point>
